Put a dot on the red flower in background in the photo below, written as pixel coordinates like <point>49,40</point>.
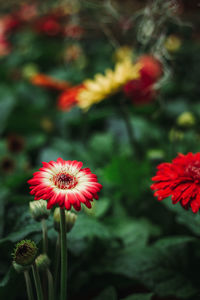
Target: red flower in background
<point>68,98</point>
<point>141,90</point>
<point>49,25</point>
<point>48,82</point>
<point>74,31</point>
<point>8,23</point>
<point>65,183</point>
<point>27,12</point>
<point>5,47</point>
<point>181,180</point>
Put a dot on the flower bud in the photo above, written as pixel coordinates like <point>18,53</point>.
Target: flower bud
<point>70,219</point>
<point>173,43</point>
<point>42,262</point>
<point>30,70</point>
<point>186,119</point>
<point>25,252</point>
<point>39,210</point>
<point>175,135</point>
<point>155,155</point>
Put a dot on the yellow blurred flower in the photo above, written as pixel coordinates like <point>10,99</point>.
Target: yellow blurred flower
<point>102,86</point>
<point>123,53</point>
<point>173,43</point>
<point>186,119</point>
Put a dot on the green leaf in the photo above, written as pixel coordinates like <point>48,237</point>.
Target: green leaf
<point>134,233</point>
<point>108,294</point>
<point>85,230</point>
<point>7,102</point>
<point>159,267</point>
<point>7,277</point>
<point>139,297</point>
<point>21,234</point>
<point>184,217</point>
<point>88,227</point>
<point>126,174</point>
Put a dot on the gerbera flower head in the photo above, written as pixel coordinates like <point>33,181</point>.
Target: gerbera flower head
<point>103,86</point>
<point>68,98</point>
<point>179,179</point>
<point>65,183</point>
<point>141,90</point>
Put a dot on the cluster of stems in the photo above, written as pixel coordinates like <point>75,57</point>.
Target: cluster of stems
<point>47,278</point>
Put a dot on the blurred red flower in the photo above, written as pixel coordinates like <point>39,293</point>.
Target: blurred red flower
<point>68,98</point>
<point>5,47</point>
<point>141,90</point>
<point>181,180</point>
<point>74,31</point>
<point>49,25</point>
<point>8,23</point>
<point>27,12</point>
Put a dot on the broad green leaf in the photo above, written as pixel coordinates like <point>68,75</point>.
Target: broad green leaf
<point>86,229</point>
<point>21,234</point>
<point>7,277</point>
<point>139,297</point>
<point>184,217</point>
<point>126,174</point>
<point>159,267</point>
<point>108,294</point>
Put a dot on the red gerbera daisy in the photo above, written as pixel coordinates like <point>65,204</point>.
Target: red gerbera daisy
<point>65,183</point>
<point>181,180</point>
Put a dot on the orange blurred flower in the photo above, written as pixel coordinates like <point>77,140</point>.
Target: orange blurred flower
<point>49,82</point>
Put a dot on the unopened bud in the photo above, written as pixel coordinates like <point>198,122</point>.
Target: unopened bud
<point>173,43</point>
<point>30,70</point>
<point>155,155</point>
<point>25,252</point>
<point>39,210</point>
<point>186,119</point>
<point>70,219</point>
<point>42,262</point>
<point>175,135</point>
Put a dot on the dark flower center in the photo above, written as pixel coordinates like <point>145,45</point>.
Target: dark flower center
<point>65,181</point>
<point>22,250</point>
<point>193,170</point>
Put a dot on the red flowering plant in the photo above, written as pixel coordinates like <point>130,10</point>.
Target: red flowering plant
<point>66,184</point>
<point>179,179</point>
<point>141,90</point>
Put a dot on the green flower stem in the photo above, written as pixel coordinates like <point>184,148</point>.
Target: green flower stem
<point>63,291</point>
<point>126,116</point>
<point>37,282</point>
<point>44,236</point>
<point>50,285</point>
<point>57,262</point>
<point>28,286</point>
<point>45,249</point>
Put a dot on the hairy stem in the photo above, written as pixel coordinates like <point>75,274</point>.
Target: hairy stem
<point>63,291</point>
<point>37,282</point>
<point>28,285</point>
